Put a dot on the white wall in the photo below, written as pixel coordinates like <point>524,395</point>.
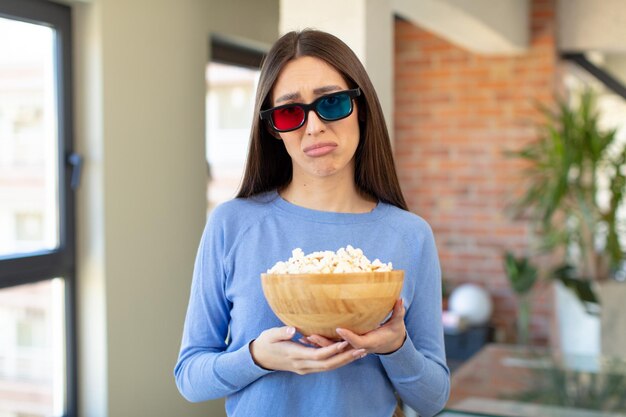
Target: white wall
<point>616,65</point>
<point>91,302</point>
<point>249,21</point>
<point>591,25</point>
<point>140,97</point>
<point>140,94</point>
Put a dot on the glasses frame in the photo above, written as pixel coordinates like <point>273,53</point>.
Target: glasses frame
<point>267,114</point>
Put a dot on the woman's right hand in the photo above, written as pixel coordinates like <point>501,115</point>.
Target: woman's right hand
<point>274,350</point>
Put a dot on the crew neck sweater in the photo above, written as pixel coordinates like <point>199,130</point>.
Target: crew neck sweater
<point>227,310</point>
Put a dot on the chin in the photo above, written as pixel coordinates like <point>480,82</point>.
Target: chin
<point>323,169</point>
<point>324,172</point>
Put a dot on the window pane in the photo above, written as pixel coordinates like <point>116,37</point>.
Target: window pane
<point>29,200</point>
<point>32,346</point>
<point>230,103</point>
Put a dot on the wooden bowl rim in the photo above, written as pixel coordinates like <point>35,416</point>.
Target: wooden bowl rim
<point>395,273</point>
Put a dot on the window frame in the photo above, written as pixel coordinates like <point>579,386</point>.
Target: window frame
<point>60,262</point>
<point>228,51</point>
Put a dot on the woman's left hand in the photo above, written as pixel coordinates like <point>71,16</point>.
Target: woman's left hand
<point>386,339</point>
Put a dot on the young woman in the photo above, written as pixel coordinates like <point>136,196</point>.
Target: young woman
<point>319,176</point>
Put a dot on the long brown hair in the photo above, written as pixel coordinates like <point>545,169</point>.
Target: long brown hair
<point>269,166</point>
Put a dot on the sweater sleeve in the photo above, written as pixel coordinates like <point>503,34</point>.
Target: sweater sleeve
<point>206,368</point>
<point>418,370</point>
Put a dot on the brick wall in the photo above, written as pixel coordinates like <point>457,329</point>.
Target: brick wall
<point>456,112</point>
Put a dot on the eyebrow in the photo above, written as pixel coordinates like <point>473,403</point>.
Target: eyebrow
<point>318,92</point>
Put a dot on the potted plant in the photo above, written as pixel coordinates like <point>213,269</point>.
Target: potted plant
<point>576,177</point>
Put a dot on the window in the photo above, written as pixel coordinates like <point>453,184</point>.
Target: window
<point>37,250</point>
<point>232,77</point>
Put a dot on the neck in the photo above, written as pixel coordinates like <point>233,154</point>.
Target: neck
<point>334,193</point>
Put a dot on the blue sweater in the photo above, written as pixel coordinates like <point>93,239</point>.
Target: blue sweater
<point>245,237</point>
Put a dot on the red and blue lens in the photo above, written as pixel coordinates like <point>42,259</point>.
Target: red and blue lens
<point>331,107</point>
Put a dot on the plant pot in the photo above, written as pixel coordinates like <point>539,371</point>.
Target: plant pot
<point>613,318</point>
<point>523,319</point>
<point>579,331</point>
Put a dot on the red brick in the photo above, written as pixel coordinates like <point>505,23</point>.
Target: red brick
<point>456,115</point>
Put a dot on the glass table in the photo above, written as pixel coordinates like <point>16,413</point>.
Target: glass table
<point>515,381</point>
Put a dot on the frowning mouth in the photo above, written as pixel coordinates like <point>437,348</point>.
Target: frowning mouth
<point>320,149</point>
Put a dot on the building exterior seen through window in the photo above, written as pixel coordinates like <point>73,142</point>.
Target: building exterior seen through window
<point>32,349</point>
<point>32,321</point>
<point>28,139</point>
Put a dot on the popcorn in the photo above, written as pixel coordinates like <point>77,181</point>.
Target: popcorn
<point>346,259</point>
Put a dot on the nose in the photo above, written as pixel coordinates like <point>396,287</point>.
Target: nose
<point>314,125</point>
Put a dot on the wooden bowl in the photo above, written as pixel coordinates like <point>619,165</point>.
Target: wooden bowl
<point>319,303</point>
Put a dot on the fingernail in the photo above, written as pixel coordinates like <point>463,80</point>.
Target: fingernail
<point>339,331</point>
<point>291,331</point>
<point>360,353</point>
<point>342,345</point>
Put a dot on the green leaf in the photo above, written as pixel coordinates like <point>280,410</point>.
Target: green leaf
<point>521,273</point>
<point>561,193</point>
